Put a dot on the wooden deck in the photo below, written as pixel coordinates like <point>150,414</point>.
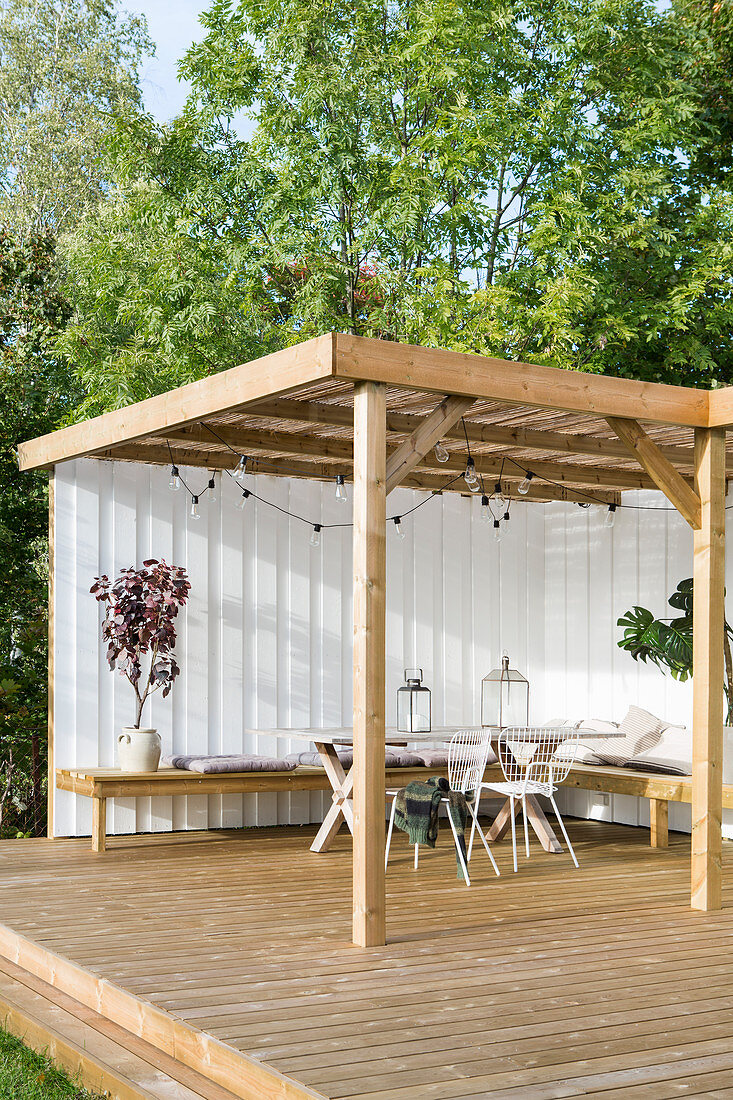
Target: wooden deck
<point>550,983</point>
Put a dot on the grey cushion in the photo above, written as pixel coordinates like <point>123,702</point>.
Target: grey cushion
<point>438,758</point>
<point>243,762</point>
<point>393,758</point>
<point>313,760</point>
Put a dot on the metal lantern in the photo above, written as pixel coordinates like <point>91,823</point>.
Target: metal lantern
<point>413,704</point>
<point>504,697</point>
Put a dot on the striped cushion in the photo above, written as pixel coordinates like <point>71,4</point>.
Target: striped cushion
<point>639,732</point>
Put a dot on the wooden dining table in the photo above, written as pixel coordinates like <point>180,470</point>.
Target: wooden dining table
<point>328,741</point>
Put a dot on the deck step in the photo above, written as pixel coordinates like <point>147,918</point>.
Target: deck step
<point>105,1056</point>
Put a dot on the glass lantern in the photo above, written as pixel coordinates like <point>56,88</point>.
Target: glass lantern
<point>413,704</point>
<point>504,697</point>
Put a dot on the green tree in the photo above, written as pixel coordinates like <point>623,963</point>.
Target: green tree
<point>66,70</point>
<point>520,179</point>
<point>35,391</point>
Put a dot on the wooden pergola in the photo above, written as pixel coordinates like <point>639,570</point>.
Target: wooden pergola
<point>373,411</point>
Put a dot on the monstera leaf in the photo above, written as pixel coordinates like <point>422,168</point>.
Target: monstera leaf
<point>681,598</point>
<point>667,644</point>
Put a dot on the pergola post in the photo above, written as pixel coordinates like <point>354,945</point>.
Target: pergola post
<point>370,483</point>
<point>708,620</point>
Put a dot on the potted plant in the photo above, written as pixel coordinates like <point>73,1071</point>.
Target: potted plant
<point>667,643</point>
<point>140,609</point>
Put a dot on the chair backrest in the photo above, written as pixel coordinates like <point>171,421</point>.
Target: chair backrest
<point>467,753</point>
<point>537,754</point>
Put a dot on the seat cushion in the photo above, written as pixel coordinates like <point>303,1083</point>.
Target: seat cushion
<point>438,758</point>
<point>242,762</point>
<point>393,758</point>
<point>639,732</point>
<point>672,755</point>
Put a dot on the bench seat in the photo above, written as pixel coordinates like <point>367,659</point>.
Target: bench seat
<point>659,789</point>
<point>99,784</point>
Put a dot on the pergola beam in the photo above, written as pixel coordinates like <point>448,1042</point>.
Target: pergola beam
<point>409,454</point>
<point>435,370</point>
<point>370,583</point>
<point>678,491</point>
<point>318,413</point>
<point>326,471</point>
<point>341,451</point>
<point>708,626</point>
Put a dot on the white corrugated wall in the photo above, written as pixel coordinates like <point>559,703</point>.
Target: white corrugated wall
<point>266,637</point>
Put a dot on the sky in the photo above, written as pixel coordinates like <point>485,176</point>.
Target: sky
<point>173,26</point>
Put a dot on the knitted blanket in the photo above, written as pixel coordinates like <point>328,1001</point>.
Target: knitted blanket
<point>416,813</point>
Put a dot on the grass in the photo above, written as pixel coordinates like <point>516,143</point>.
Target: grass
<point>25,1075</point>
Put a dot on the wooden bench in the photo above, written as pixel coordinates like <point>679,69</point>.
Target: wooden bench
<point>659,789</point>
<point>99,784</point>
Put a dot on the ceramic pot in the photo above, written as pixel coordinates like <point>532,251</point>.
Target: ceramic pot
<point>138,750</point>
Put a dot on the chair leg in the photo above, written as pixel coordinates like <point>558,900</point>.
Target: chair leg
<point>561,823</point>
<point>526,830</point>
<point>514,831</point>
<point>389,833</point>
<point>459,853</point>
<point>489,853</point>
<point>417,850</point>
<point>474,823</point>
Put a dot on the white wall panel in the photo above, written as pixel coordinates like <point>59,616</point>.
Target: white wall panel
<point>266,638</point>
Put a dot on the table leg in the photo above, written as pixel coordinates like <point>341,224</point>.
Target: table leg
<point>341,807</point>
<point>542,827</point>
<point>536,818</point>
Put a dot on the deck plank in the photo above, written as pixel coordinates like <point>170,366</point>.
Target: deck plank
<point>549,983</point>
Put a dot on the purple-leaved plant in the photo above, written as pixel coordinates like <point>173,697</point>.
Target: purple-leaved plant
<point>141,606</point>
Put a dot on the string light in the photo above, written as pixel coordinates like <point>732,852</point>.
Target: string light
<point>341,494</point>
<point>523,487</point>
<point>498,497</point>
<point>470,476</point>
<point>472,479</point>
<point>441,454</point>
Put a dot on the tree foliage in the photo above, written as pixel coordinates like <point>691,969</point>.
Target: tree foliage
<point>66,71</point>
<point>522,179</point>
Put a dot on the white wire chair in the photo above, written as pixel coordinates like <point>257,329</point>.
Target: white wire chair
<point>467,753</point>
<point>535,760</point>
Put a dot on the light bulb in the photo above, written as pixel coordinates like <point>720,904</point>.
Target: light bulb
<point>341,494</point>
<point>241,468</point>
<point>610,516</point>
<point>195,508</point>
<point>243,499</point>
<point>398,527</point>
<point>441,455</point>
<point>524,485</point>
<point>498,497</point>
<point>316,535</point>
<point>175,481</point>
<point>470,476</point>
<point>485,509</point>
<point>211,487</point>
<point>498,533</point>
